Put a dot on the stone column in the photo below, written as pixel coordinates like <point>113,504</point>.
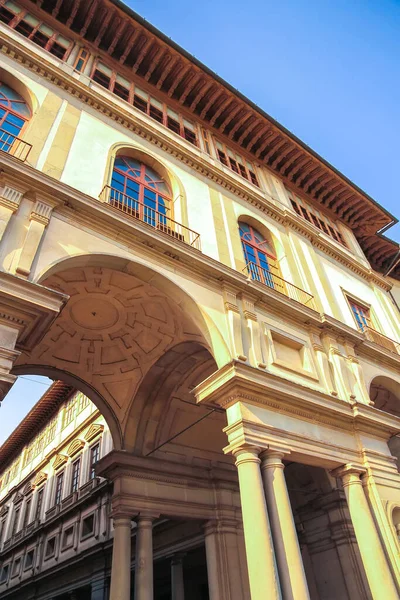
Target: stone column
<point>287,549</point>
<point>120,588</point>
<point>374,559</point>
<point>261,565</point>
<point>177,583</point>
<point>144,559</point>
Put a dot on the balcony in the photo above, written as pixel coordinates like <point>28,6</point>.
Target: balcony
<point>159,221</point>
<point>382,340</point>
<point>14,145</point>
<point>257,273</point>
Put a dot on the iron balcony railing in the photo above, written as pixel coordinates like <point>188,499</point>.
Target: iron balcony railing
<point>276,282</point>
<point>156,219</point>
<point>382,340</point>
<point>14,145</point>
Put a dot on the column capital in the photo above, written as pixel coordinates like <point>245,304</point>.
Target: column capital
<point>272,458</point>
<point>122,520</point>
<point>349,474</point>
<point>145,519</point>
<point>246,453</point>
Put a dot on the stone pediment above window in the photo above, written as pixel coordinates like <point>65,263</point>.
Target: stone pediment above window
<point>93,431</point>
<point>39,478</point>
<point>59,461</point>
<point>4,510</point>
<point>28,488</point>
<point>75,447</point>
<point>18,498</point>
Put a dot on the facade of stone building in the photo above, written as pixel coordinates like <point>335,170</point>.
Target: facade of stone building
<point>219,308</point>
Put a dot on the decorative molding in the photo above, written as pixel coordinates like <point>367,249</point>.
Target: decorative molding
<point>28,488</point>
<point>41,212</point>
<point>4,510</point>
<point>39,478</point>
<point>94,430</point>
<point>59,461</point>
<point>18,498</point>
<point>75,447</point>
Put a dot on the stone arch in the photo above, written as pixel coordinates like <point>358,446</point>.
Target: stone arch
<point>168,382</point>
<point>158,164</point>
<point>385,394</point>
<point>21,87</point>
<point>85,388</point>
<point>120,319</point>
<point>161,281</point>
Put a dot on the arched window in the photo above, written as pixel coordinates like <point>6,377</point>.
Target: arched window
<point>140,191</point>
<point>14,112</point>
<point>260,257</point>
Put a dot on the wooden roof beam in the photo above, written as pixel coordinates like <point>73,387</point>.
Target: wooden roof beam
<point>239,122</point>
<point>272,150</point>
<point>221,109</point>
<point>181,74</point>
<point>213,97</point>
<point>56,9</point>
<point>167,70</point>
<point>193,81</point>
<point>310,172</point>
<point>157,56</point>
<point>89,17</point>
<point>266,129</point>
<point>75,8</point>
<point>120,33</point>
<point>129,45</point>
<point>342,196</point>
<point>333,191</point>
<point>295,156</point>
<point>314,176</point>
<point>325,181</point>
<point>254,123</point>
<point>230,116</point>
<point>110,14</point>
<point>142,53</point>
<point>200,94</point>
<point>303,162</point>
<point>345,205</point>
<point>281,155</point>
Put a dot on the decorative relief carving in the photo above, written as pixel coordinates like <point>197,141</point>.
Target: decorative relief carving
<point>39,478</point>
<point>41,212</point>
<point>59,461</point>
<point>111,332</point>
<point>94,430</point>
<point>75,447</point>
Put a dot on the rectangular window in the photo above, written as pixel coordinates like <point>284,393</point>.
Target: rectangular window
<point>16,567</point>
<point>76,467</point>
<point>94,458</point>
<point>81,60</point>
<point>236,163</point>
<point>14,528</point>
<point>313,216</point>
<point>4,573</point>
<point>87,526</point>
<point>27,512</point>
<point>59,488</point>
<point>83,402</point>
<point>39,504</point>
<point>361,315</point>
<point>69,411</point>
<point>50,548</point>
<point>29,557</point>
<point>2,528</point>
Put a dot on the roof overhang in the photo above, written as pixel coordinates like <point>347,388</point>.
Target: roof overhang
<point>113,30</point>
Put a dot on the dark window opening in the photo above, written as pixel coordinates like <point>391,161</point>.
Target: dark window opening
<point>88,526</point>
<point>6,16</point>
<point>156,113</point>
<point>101,78</point>
<point>57,50</point>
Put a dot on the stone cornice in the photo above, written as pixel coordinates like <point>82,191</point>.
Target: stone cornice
<point>237,382</point>
<point>106,103</point>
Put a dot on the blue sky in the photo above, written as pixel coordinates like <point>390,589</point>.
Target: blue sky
<point>328,71</point>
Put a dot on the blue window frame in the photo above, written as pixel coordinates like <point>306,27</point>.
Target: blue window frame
<point>14,113</point>
<point>258,254</point>
<point>141,190</point>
